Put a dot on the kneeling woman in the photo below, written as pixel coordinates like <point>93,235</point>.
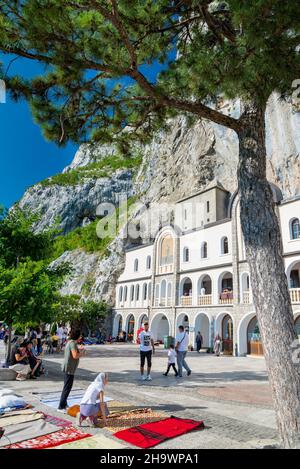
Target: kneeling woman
<point>93,401</point>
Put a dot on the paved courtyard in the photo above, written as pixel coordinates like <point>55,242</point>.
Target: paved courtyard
<point>230,394</point>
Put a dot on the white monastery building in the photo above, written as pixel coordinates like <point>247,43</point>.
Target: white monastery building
<point>197,275</point>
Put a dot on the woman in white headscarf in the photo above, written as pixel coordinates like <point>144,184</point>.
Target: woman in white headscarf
<point>93,401</point>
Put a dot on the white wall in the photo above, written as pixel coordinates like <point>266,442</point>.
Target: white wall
<point>140,254</point>
<point>212,236</point>
<point>286,213</point>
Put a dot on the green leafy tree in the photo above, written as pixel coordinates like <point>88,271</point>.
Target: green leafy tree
<point>98,54</point>
<point>28,284</point>
<point>80,313</point>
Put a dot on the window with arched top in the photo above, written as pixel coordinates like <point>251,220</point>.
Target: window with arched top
<point>125,293</point>
<point>295,228</point>
<point>166,250</point>
<point>136,265</point>
<point>163,287</point>
<point>137,292</point>
<point>224,245</point>
<point>132,293</point>
<point>186,254</point>
<point>204,250</point>
<point>120,294</point>
<point>145,291</point>
<point>148,263</point>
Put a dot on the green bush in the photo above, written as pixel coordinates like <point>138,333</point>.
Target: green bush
<point>85,238</point>
<point>103,168</point>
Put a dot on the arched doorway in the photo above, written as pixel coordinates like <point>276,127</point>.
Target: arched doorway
<point>293,275</point>
<point>141,322</point>
<point>297,325</point>
<point>202,324</point>
<point>227,335</point>
<point>182,320</point>
<point>118,324</point>
<point>254,344</point>
<point>130,328</point>
<point>160,327</point>
<point>204,290</point>
<point>245,288</point>
<point>186,292</point>
<point>226,288</point>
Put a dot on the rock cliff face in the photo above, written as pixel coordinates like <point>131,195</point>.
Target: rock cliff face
<point>175,164</point>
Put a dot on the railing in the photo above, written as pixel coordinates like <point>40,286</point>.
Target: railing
<point>226,299</point>
<point>162,302</point>
<point>169,301</point>
<point>246,297</point>
<point>165,269</point>
<point>204,300</point>
<point>295,295</point>
<point>156,302</point>
<point>186,300</point>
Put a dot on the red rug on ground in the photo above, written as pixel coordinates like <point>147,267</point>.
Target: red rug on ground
<point>151,434</point>
<point>65,435</point>
<point>57,421</point>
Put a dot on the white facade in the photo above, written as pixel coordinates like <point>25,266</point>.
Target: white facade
<point>197,276</point>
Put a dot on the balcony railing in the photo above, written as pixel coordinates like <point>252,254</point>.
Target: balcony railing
<point>295,295</point>
<point>246,297</point>
<point>186,301</point>
<point>204,300</point>
<point>226,298</point>
<point>169,301</point>
<point>165,269</point>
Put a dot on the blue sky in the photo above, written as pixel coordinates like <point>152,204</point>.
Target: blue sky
<point>25,157</point>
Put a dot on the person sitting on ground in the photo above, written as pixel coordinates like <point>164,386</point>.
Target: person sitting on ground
<point>171,360</point>
<point>19,361</point>
<point>93,402</point>
<point>34,362</point>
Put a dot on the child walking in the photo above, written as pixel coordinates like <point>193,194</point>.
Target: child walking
<point>171,360</point>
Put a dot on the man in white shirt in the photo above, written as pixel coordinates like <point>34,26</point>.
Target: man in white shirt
<point>146,349</point>
<point>182,342</point>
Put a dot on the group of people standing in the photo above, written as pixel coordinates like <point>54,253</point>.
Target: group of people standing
<point>177,353</point>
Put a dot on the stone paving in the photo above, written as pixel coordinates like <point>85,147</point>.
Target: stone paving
<point>230,394</point>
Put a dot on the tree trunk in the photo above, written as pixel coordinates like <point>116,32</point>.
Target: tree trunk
<point>271,297</point>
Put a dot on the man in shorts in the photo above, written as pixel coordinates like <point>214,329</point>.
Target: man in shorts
<point>146,349</point>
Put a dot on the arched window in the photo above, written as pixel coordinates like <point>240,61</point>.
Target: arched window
<point>125,293</point>
<point>295,228</point>
<point>132,293</point>
<point>137,292</point>
<point>163,288</point>
<point>136,265</point>
<point>169,290</point>
<point>120,294</point>
<point>149,291</point>
<point>145,291</point>
<point>224,245</point>
<point>166,250</point>
<point>148,263</point>
<point>186,255</point>
<point>204,250</point>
